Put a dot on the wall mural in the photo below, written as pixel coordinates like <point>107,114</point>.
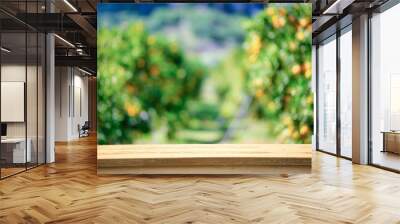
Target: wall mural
<point>204,73</point>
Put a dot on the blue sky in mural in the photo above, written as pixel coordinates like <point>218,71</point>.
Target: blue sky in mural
<point>145,9</point>
<point>127,12</point>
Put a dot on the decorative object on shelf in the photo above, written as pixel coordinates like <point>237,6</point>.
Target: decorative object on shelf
<point>84,130</point>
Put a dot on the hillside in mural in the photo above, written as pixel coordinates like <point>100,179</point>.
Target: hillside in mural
<point>204,73</point>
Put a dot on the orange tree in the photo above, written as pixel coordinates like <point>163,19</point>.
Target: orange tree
<point>278,69</point>
<point>141,78</point>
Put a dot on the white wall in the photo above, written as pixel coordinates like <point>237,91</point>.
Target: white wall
<point>71,93</point>
<point>33,127</point>
<point>62,81</point>
<point>12,73</point>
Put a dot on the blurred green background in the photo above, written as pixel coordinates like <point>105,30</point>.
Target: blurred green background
<point>204,73</point>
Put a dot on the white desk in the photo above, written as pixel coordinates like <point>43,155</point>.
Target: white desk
<point>19,155</point>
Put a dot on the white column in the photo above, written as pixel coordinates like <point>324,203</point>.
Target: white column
<point>50,99</point>
<point>360,90</point>
<point>50,92</point>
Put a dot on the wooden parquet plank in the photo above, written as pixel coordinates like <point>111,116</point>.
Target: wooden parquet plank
<point>70,191</point>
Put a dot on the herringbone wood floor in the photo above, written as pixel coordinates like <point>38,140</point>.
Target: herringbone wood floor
<point>69,191</point>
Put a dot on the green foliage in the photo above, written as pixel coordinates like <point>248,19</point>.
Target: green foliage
<point>227,77</point>
<point>142,79</point>
<point>278,67</point>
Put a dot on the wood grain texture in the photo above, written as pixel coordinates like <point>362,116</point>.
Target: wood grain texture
<point>204,151</point>
<point>69,191</point>
<point>203,159</point>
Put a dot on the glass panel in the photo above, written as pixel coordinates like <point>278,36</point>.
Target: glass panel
<point>22,89</point>
<point>32,87</point>
<point>2,160</point>
<point>31,97</point>
<point>385,89</point>
<point>13,86</point>
<point>327,97</point>
<point>41,99</point>
<point>346,94</point>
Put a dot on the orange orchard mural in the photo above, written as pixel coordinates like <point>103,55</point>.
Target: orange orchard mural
<point>204,73</point>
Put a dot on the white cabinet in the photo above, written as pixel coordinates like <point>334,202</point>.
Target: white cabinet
<point>19,155</point>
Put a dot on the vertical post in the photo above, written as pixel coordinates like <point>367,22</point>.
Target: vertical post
<point>360,90</point>
<point>26,87</point>
<point>1,164</point>
<point>316,103</point>
<point>50,93</point>
<point>315,91</point>
<point>338,76</point>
